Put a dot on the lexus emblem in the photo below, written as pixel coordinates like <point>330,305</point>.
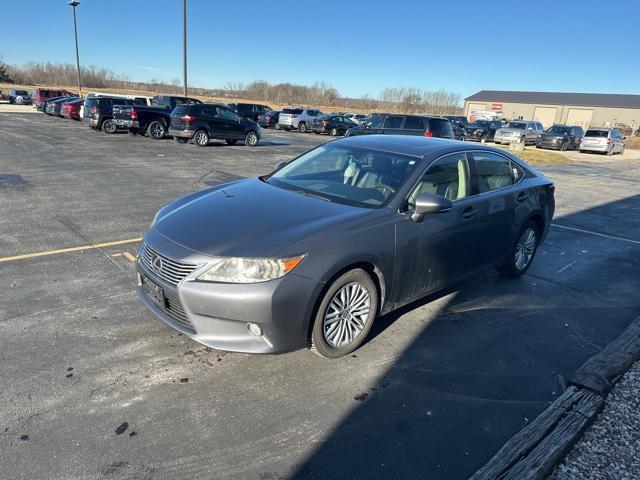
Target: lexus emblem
<point>156,263</point>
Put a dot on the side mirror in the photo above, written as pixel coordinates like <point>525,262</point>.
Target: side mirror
<point>279,165</point>
<point>430,203</point>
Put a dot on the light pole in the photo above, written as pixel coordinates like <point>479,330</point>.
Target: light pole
<point>184,44</point>
<point>74,4</point>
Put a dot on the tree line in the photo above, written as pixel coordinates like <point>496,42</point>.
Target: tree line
<point>399,100</point>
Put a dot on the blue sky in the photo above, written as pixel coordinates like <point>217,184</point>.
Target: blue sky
<point>357,46</point>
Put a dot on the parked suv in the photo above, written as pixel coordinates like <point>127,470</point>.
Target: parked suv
<point>21,97</point>
<point>41,95</point>
<point>405,125</point>
<point>201,122</point>
<point>98,111</point>
<point>524,131</point>
<point>298,118</point>
<point>607,140</point>
<point>249,110</point>
<point>560,137</point>
<point>482,130</point>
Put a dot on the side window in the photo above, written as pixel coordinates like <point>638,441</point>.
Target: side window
<point>227,114</point>
<point>414,123</point>
<point>494,172</point>
<point>208,111</point>
<point>377,122</point>
<point>393,122</point>
<point>448,176</point>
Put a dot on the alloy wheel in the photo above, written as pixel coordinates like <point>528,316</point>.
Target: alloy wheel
<point>346,315</point>
<point>525,248</point>
<point>201,138</point>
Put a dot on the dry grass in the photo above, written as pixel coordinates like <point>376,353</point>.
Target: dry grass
<point>538,157</point>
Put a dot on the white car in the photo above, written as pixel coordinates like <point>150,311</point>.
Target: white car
<point>355,117</point>
<point>297,118</point>
<point>606,140</point>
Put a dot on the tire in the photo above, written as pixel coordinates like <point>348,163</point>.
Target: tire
<point>109,126</point>
<point>156,130</point>
<point>622,150</point>
<point>334,132</point>
<point>523,251</point>
<point>278,127</point>
<point>201,138</point>
<point>231,141</point>
<point>302,127</point>
<point>328,341</point>
<point>251,139</point>
<point>180,140</point>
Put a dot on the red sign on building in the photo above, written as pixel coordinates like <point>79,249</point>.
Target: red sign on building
<point>496,106</point>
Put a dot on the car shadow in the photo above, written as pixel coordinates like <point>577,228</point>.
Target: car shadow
<point>494,354</point>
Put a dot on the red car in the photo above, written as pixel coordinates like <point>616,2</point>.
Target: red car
<point>72,109</point>
<point>42,94</point>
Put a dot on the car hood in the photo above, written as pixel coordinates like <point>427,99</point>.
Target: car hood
<point>248,218</point>
<point>552,135</point>
<point>511,130</point>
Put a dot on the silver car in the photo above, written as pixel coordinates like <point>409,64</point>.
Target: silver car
<point>522,131</point>
<point>311,254</point>
<point>297,118</point>
<point>605,140</point>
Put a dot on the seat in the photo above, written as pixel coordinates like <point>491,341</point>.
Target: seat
<point>379,173</point>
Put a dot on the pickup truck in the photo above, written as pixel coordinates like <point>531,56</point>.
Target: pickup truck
<point>153,119</point>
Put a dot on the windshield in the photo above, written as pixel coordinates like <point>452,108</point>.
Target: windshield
<point>21,92</point>
<point>558,129</point>
<point>517,125</point>
<point>480,123</point>
<point>355,176</point>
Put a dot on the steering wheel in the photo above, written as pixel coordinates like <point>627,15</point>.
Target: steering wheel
<point>381,187</point>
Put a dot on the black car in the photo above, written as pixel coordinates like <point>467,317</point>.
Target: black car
<point>560,137</point>
<point>332,124</point>
<point>459,132</point>
<point>201,122</point>
<point>405,125</point>
<point>269,119</point>
<point>42,104</point>
<point>98,111</point>
<point>54,107</point>
<point>482,130</point>
<point>249,110</point>
<point>457,119</point>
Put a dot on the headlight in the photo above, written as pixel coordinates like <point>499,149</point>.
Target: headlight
<point>249,270</point>
<point>539,136</point>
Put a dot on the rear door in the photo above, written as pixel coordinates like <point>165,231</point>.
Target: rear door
<point>230,122</point>
<point>496,181</point>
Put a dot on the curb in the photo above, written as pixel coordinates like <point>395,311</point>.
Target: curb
<point>534,452</point>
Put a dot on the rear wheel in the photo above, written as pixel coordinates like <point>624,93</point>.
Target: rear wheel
<point>231,141</point>
<point>302,127</point>
<point>109,126</point>
<point>334,132</point>
<point>201,138</point>
<point>610,151</point>
<point>156,130</point>
<point>278,127</point>
<point>180,140</point>
<point>522,252</point>
<point>251,139</point>
<point>345,315</point>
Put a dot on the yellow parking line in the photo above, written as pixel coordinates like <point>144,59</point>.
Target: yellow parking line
<point>129,257</point>
<point>68,250</point>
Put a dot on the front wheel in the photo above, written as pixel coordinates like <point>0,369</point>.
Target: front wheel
<point>251,139</point>
<point>564,147</point>
<point>522,253</point>
<point>109,126</point>
<point>156,130</point>
<point>302,127</point>
<point>345,315</point>
<point>201,138</point>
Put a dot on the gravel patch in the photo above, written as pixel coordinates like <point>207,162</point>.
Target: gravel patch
<point>610,447</point>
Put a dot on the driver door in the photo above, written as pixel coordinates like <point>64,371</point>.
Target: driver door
<point>231,123</point>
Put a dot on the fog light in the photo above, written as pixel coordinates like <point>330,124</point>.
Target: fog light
<point>254,329</point>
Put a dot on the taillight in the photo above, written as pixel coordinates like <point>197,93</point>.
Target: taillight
<point>267,118</point>
<point>428,134</point>
<point>134,114</point>
<point>608,141</point>
<point>188,118</point>
<point>325,122</point>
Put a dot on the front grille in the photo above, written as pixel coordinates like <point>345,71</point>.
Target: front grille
<point>167,269</point>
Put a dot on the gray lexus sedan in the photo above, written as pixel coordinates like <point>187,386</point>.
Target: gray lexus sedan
<point>312,253</point>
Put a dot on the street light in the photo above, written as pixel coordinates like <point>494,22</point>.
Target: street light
<point>74,4</point>
<point>184,44</point>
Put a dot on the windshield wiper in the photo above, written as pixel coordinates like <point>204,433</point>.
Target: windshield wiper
<point>309,194</point>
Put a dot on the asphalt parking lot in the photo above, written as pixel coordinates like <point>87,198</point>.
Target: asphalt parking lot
<point>93,386</point>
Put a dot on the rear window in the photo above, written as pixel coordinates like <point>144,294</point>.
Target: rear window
<point>414,123</point>
<point>90,102</point>
<point>440,128</point>
<point>296,111</point>
<point>597,133</point>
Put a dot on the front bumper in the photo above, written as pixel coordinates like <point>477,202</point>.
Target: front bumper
<point>474,137</point>
<point>216,314</point>
<point>505,139</point>
<point>549,144</point>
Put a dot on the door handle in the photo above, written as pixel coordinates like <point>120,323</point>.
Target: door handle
<point>522,196</point>
<point>469,213</point>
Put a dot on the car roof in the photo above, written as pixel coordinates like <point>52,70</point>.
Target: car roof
<point>413,145</point>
